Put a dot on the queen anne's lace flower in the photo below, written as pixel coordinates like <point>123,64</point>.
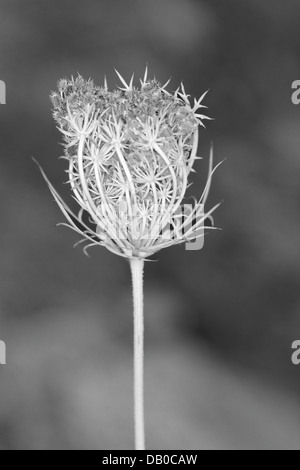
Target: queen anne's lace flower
<point>130,152</point>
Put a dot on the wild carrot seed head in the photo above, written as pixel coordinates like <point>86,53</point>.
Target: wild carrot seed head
<point>130,152</point>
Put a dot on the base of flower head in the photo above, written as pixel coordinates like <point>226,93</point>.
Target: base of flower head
<point>134,236</point>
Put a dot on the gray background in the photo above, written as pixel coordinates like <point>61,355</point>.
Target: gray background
<point>219,322</point>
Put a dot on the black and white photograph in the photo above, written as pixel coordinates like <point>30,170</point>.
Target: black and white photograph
<point>150,227</point>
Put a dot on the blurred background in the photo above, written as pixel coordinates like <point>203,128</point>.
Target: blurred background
<point>219,322</point>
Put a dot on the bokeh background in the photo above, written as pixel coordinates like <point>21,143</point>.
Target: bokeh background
<point>219,322</point>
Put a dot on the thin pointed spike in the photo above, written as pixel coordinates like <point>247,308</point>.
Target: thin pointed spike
<point>184,92</point>
<point>166,84</point>
<point>197,103</point>
<point>146,74</point>
<point>201,123</point>
<point>208,184</point>
<point>203,96</point>
<point>131,82</point>
<point>69,214</point>
<point>203,117</point>
<point>195,227</point>
<point>122,79</point>
<point>211,158</point>
<point>105,83</point>
<point>210,171</point>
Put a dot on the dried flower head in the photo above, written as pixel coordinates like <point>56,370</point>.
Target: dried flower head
<point>130,152</point>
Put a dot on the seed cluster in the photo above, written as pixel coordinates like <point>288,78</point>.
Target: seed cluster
<point>129,151</point>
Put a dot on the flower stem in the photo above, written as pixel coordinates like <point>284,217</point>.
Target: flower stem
<point>137,270</point>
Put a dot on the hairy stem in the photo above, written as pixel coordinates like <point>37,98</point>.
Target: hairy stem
<point>137,270</point>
